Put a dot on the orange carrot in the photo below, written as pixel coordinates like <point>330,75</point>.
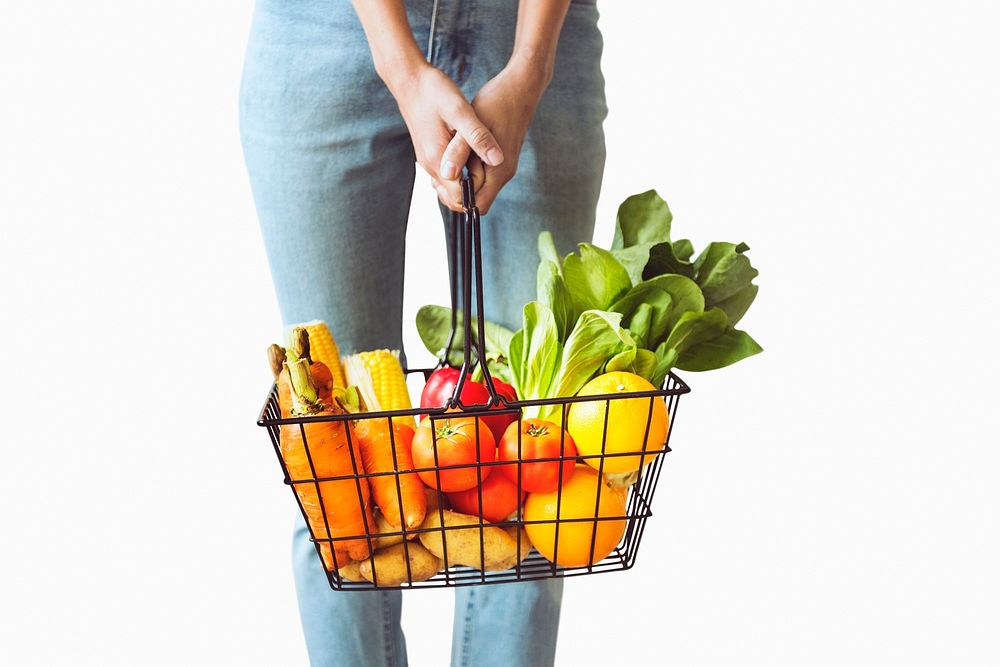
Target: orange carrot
<point>342,510</point>
<point>376,452</point>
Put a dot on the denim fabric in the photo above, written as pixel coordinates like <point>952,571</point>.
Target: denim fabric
<point>331,167</point>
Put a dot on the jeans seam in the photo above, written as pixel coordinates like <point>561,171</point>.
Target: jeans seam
<point>466,634</point>
<point>390,653</point>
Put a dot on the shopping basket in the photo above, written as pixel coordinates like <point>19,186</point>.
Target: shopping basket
<point>527,563</point>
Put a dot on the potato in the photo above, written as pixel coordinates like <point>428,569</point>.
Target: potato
<point>382,526</point>
<point>463,544</point>
<point>512,561</point>
<point>390,565</point>
<point>351,571</point>
<point>432,500</point>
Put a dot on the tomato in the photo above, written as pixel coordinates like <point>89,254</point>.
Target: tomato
<point>456,445</point>
<point>498,424</point>
<point>499,498</point>
<point>441,385</point>
<point>540,439</point>
<point>505,390</point>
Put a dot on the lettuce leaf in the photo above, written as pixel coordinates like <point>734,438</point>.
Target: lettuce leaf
<point>594,278</point>
<point>597,337</point>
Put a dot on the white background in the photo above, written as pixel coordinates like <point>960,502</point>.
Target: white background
<point>830,501</point>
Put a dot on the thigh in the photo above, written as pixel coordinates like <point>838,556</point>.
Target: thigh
<point>344,627</point>
<point>559,175</point>
<point>331,169</point>
<point>527,613</point>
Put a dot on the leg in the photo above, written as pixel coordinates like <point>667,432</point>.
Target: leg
<point>344,627</point>
<point>331,167</point>
<point>556,188</point>
<point>525,616</point>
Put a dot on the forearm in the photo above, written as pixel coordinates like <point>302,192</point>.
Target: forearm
<point>395,52</point>
<point>539,23</point>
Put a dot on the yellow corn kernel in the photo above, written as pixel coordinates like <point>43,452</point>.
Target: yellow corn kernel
<point>323,348</point>
<point>379,377</point>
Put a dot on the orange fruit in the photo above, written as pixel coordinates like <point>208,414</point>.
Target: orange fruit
<point>579,497</point>
<point>627,420</point>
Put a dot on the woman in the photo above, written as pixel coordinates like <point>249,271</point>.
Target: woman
<point>331,128</point>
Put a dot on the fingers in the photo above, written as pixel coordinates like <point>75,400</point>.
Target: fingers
<point>487,194</point>
<point>454,158</point>
<point>452,198</point>
<point>449,193</point>
<point>478,173</point>
<point>476,135</point>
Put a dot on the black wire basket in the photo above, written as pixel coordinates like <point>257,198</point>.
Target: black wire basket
<point>482,552</point>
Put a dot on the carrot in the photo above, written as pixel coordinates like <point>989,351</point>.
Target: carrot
<point>376,452</point>
<point>298,348</point>
<point>342,514</point>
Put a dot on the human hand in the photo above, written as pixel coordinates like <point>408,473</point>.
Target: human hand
<point>435,112</point>
<point>506,104</point>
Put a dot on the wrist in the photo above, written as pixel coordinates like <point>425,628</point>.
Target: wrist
<point>400,67</point>
<point>532,68</point>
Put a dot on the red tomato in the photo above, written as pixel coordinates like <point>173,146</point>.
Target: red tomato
<point>441,385</point>
<point>456,445</point>
<point>505,390</point>
<point>498,424</point>
<point>540,439</point>
<point>499,498</point>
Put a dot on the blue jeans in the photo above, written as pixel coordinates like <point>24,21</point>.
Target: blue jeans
<point>331,167</point>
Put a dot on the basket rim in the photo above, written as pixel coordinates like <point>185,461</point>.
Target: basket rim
<point>679,388</point>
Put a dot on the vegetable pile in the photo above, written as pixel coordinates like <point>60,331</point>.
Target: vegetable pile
<point>643,306</point>
<point>482,488</point>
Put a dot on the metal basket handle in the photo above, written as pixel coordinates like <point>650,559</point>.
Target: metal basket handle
<point>466,257</point>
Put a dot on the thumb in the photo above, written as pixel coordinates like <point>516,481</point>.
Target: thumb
<point>477,136</point>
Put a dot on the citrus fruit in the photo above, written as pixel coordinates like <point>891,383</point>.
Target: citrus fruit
<point>579,497</point>
<point>626,420</point>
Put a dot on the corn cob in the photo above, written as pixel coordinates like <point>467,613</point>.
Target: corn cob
<point>379,378</point>
<point>323,348</point>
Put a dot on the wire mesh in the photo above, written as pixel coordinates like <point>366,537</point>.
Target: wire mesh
<point>530,565</point>
<point>448,549</point>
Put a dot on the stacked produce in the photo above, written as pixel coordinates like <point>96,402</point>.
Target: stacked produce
<point>337,508</point>
<point>481,482</point>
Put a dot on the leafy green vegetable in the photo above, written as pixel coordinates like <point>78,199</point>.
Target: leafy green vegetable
<point>660,304</point>
<point>634,259</point>
<point>547,250</point>
<point>597,337</point>
<point>515,358</point>
<point>434,328</point>
<point>684,295</point>
<point>645,365</point>
<point>723,270</point>
<point>644,306</point>
<point>553,293</point>
<point>683,249</point>
<point>622,361</point>
<point>641,322</point>
<point>595,279</point>
<point>538,351</point>
<point>736,306</point>
<point>694,327</point>
<point>731,346</point>
<point>669,258</point>
<point>642,218</point>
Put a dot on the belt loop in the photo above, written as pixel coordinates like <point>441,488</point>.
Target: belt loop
<point>430,36</point>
